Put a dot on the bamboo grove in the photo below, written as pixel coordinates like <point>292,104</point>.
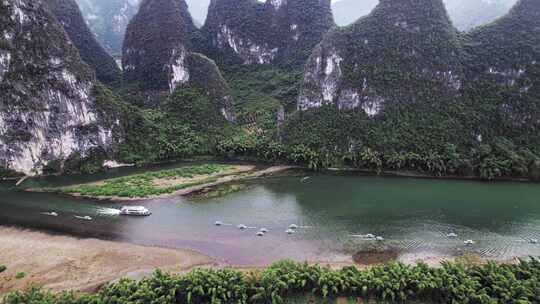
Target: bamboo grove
<point>392,283</point>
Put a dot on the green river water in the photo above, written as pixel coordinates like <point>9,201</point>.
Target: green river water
<point>414,216</point>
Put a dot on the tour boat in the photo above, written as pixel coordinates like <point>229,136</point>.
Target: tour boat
<point>86,218</point>
<point>135,210</point>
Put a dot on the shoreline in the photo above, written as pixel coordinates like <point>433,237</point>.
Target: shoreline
<point>419,175</point>
<point>61,262</point>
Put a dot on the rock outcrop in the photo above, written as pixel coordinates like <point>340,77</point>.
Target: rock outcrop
<point>404,51</point>
<point>251,32</point>
<point>158,57</point>
<point>47,108</point>
<point>70,17</point>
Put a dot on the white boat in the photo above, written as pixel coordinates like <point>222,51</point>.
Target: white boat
<point>533,241</point>
<point>242,227</point>
<point>293,226</point>
<point>379,239</point>
<point>86,218</point>
<point>135,210</point>
<point>50,213</point>
<point>452,235</point>
<point>469,242</point>
<point>263,230</point>
<point>218,223</point>
<point>289,231</point>
<point>260,233</point>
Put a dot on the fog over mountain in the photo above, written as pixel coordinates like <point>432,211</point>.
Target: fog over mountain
<point>465,14</point>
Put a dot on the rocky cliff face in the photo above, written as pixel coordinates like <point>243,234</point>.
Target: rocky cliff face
<point>403,52</point>
<point>47,108</point>
<point>71,19</point>
<point>158,59</point>
<point>251,32</point>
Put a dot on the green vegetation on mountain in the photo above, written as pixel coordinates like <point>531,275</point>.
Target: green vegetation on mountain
<point>286,280</point>
<point>465,14</point>
<point>410,93</point>
<point>158,35</point>
<point>240,32</point>
<point>69,15</point>
<point>158,60</point>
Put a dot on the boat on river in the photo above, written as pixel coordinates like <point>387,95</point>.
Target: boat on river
<point>135,211</point>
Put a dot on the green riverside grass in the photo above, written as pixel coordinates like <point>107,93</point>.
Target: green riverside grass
<point>142,185</point>
<point>287,280</point>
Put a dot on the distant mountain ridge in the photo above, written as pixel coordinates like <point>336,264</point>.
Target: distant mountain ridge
<point>108,19</point>
<point>465,14</point>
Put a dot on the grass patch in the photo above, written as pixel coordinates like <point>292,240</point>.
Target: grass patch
<point>20,275</point>
<point>2,268</point>
<point>144,185</point>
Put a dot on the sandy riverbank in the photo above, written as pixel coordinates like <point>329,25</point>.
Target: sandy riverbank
<point>63,262</point>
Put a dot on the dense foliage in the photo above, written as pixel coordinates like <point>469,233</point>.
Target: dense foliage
<point>147,136</point>
<point>393,283</point>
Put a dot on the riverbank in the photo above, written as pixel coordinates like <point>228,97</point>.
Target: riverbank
<point>165,183</point>
<point>62,262</point>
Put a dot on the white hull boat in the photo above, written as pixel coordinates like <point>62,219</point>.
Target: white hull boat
<point>135,211</point>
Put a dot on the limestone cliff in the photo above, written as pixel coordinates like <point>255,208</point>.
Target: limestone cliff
<point>47,108</point>
<point>158,57</point>
<point>251,32</point>
<point>70,17</point>
<point>403,52</point>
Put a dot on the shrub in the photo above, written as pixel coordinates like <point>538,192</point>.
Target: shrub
<point>20,275</point>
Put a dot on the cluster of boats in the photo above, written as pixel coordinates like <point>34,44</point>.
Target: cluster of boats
<point>261,232</point>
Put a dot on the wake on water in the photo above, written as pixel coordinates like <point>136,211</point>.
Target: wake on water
<point>108,211</point>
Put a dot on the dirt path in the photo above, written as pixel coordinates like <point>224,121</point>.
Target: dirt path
<point>62,262</point>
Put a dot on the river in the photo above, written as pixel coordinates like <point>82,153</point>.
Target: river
<point>414,216</point>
